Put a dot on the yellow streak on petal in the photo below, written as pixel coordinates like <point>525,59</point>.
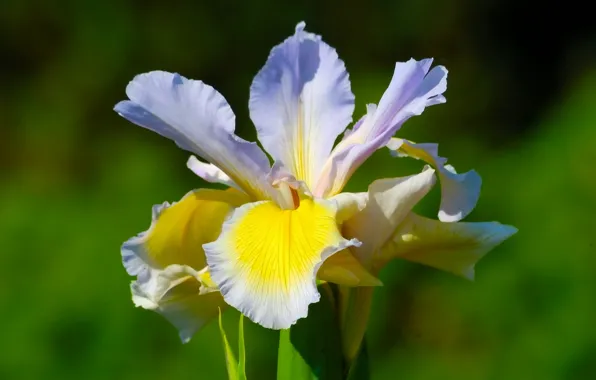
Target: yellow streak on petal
<point>280,248</point>
<point>178,234</point>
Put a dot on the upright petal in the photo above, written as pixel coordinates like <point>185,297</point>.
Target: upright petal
<point>389,201</point>
<point>412,88</point>
<point>452,247</point>
<point>300,102</point>
<point>169,262</point>
<point>459,192</point>
<point>266,259</point>
<point>199,120</point>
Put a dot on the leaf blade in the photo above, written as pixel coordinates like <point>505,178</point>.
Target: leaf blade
<point>231,362</point>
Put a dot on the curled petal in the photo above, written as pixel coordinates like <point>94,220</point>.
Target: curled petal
<point>266,259</point>
<point>389,201</point>
<point>452,247</point>
<point>210,172</point>
<point>198,119</point>
<point>459,192</point>
<point>300,102</point>
<point>412,88</point>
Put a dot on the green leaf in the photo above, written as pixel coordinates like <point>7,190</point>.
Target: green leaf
<point>241,350</point>
<point>236,369</point>
<point>311,349</point>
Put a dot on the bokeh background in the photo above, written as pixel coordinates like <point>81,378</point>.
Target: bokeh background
<point>76,180</point>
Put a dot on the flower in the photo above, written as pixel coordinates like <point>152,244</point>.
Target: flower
<point>260,245</point>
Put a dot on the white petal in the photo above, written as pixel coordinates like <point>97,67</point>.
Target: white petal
<point>177,294</point>
<point>300,102</point>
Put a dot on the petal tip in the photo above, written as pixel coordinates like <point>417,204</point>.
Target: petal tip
<point>508,231</point>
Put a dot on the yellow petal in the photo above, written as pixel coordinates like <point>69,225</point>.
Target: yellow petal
<point>344,269</point>
<point>266,259</point>
<point>452,247</point>
<point>179,232</point>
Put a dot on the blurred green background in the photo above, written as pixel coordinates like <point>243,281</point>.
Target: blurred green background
<point>77,180</point>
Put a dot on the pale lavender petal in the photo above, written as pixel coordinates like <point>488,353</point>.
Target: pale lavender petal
<point>199,120</point>
<point>412,88</point>
<point>300,102</point>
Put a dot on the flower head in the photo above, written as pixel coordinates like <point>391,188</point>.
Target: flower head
<point>260,245</point>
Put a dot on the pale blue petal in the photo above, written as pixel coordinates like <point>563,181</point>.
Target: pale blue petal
<point>198,119</point>
<point>300,102</point>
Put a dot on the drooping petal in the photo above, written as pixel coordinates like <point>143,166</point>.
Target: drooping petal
<point>169,262</point>
<point>412,88</point>
<point>266,259</point>
<point>210,172</point>
<point>459,192</point>
<point>300,102</point>
<point>177,293</point>
<point>389,201</point>
<point>344,269</point>
<point>452,247</point>
<point>198,119</point>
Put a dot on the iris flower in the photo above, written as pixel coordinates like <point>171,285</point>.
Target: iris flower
<point>261,244</point>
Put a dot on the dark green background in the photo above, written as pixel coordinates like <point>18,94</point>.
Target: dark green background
<point>77,180</point>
